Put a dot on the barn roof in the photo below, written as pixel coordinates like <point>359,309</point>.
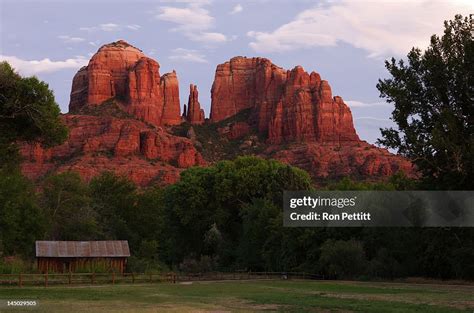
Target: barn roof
<point>68,249</point>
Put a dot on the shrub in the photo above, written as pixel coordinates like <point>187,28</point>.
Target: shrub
<point>342,259</point>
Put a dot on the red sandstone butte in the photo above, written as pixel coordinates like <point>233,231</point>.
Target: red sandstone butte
<point>298,109</point>
<point>120,71</point>
<point>289,105</point>
<point>194,115</point>
<point>125,146</point>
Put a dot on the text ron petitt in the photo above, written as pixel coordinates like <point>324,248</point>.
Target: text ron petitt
<point>325,216</point>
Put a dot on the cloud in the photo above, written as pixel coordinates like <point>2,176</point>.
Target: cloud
<point>32,67</point>
<point>193,20</point>
<point>188,55</point>
<point>237,9</point>
<point>360,104</point>
<point>209,37</point>
<point>134,27</point>
<point>391,28</point>
<point>110,27</point>
<point>69,39</point>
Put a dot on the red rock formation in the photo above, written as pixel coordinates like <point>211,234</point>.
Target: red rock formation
<point>244,83</point>
<point>195,114</point>
<point>121,71</point>
<point>298,109</point>
<point>124,146</point>
<point>235,130</point>
<point>288,105</point>
<point>291,107</point>
<point>357,159</point>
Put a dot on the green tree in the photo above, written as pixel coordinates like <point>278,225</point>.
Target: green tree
<point>342,259</point>
<point>211,203</point>
<point>67,207</point>
<point>114,199</point>
<point>21,220</point>
<point>433,96</point>
<point>28,112</point>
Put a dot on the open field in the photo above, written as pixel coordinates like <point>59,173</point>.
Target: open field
<point>246,296</point>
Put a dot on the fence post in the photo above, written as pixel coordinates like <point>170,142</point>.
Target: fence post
<point>46,279</point>
<point>70,278</point>
<point>151,277</point>
<point>113,278</point>
<point>133,278</point>
<point>92,278</point>
<point>20,280</point>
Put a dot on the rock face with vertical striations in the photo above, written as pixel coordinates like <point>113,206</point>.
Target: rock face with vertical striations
<point>288,105</point>
<point>122,72</point>
<point>299,119</point>
<point>119,108</point>
<point>194,115</point>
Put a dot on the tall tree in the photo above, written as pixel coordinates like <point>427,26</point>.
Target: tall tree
<point>433,96</point>
<point>114,199</point>
<point>28,110</point>
<point>67,207</point>
<point>21,220</point>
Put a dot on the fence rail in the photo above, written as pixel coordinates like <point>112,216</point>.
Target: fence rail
<point>49,279</point>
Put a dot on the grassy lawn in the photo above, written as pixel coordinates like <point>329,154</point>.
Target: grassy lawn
<point>246,296</point>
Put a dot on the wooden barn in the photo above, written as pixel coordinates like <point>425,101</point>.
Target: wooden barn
<point>84,256</point>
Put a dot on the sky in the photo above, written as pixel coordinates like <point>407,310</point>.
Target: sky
<point>346,41</point>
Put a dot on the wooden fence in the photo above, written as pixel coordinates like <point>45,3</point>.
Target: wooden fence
<point>49,279</point>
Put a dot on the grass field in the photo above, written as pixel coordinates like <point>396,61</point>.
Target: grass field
<point>247,296</point>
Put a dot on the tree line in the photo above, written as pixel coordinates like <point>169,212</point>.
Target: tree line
<point>223,217</point>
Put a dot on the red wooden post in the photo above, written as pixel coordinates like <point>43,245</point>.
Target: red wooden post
<point>20,280</point>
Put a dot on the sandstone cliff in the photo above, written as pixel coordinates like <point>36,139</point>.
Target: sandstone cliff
<point>288,105</point>
<point>295,119</point>
<point>124,146</point>
<point>120,71</point>
<point>118,109</point>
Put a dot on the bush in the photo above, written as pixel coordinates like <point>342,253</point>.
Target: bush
<point>203,265</point>
<point>383,265</point>
<point>15,265</point>
<point>342,259</point>
<point>144,265</point>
